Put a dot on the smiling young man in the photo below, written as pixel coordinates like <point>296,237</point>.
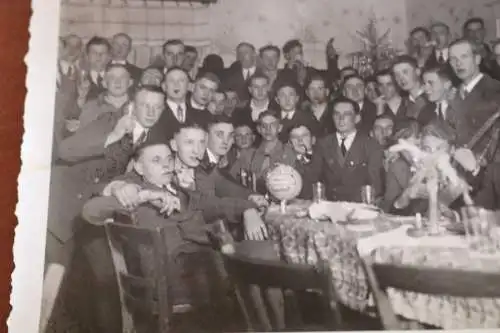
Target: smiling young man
<point>478,96</point>
<point>354,89</point>
<point>407,75</point>
<point>269,152</point>
<point>117,82</point>
<point>177,110</point>
<point>437,85</point>
<point>347,159</point>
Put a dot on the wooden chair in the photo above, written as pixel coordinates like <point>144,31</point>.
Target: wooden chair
<point>257,280</point>
<point>51,286</point>
<point>141,292</point>
<point>431,281</point>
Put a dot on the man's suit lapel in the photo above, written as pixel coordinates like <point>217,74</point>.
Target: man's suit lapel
<point>353,155</point>
<point>336,159</point>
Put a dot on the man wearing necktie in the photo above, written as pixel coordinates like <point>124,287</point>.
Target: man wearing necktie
<point>441,37</point>
<point>347,159</point>
<point>288,100</point>
<point>121,45</point>
<point>437,85</point>
<point>478,99</point>
<point>98,53</point>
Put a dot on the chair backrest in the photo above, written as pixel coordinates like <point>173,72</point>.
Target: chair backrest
<point>431,281</point>
<point>51,286</point>
<point>256,280</point>
<point>140,260</point>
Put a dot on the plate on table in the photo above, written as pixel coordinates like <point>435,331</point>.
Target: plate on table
<point>455,228</point>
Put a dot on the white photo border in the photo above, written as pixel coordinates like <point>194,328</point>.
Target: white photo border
<point>34,178</point>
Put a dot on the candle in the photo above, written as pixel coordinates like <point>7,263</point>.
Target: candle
<point>418,220</point>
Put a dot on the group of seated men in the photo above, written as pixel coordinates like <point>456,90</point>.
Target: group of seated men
<point>171,147</point>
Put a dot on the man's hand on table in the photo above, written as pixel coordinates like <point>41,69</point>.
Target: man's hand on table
<point>255,228</point>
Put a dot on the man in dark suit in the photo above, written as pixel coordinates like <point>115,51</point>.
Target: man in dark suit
<point>173,53</point>
<point>177,110</point>
<point>90,86</point>
<point>302,142</point>
<point>288,100</point>
<point>317,92</point>
<point>441,37</point>
<point>260,102</point>
<point>489,192</point>
<point>239,74</point>
<point>437,85</point>
<point>407,75</point>
<point>348,159</point>
<point>474,30</point>
<point>394,104</point>
<point>354,89</point>
<point>297,71</point>
<point>270,57</point>
<point>92,156</point>
<point>204,90</point>
<point>478,98</point>
<point>121,45</point>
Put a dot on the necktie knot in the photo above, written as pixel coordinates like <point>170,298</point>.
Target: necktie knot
<point>343,147</point>
<point>180,113</point>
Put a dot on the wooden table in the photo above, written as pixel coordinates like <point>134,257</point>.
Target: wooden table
<point>303,240</point>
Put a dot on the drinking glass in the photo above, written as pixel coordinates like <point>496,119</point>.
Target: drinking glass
<point>318,192</point>
<point>367,194</point>
<point>480,231</point>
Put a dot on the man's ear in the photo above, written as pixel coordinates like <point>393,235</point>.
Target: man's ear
<point>313,140</point>
<point>104,83</point>
<point>419,72</point>
<point>280,127</point>
<point>130,82</point>
<point>173,145</point>
<point>371,133</point>
<point>138,167</point>
<point>478,59</point>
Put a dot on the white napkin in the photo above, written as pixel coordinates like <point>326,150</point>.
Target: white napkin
<point>399,237</point>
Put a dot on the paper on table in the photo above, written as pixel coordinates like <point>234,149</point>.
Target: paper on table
<point>399,237</point>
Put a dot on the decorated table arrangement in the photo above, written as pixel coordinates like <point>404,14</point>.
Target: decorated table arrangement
<point>343,233</point>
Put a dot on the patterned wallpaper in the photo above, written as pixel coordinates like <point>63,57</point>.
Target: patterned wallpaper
<point>313,21</point>
<point>452,12</point>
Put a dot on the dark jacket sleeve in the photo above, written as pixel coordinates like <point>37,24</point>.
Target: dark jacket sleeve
<point>88,141</point>
<point>98,209</point>
<point>376,166</point>
<point>213,207</point>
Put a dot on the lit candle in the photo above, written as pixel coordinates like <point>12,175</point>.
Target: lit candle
<point>418,220</point>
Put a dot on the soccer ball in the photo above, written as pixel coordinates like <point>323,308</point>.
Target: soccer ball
<point>284,182</point>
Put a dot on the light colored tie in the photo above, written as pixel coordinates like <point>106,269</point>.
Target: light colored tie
<point>463,92</point>
<point>180,113</point>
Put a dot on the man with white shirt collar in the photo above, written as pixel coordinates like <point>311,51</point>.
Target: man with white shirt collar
<point>259,91</point>
<point>287,98</point>
<point>98,54</point>
<point>441,37</point>
<point>407,75</point>
<point>190,144</point>
<point>348,159</point>
<point>354,89</point>
<point>173,54</point>
<point>205,87</point>
<point>177,111</point>
<point>68,64</point>
<point>318,93</point>
<point>437,84</point>
<point>390,95</point>
<point>242,70</point>
<point>478,97</point>
<point>121,45</point>
<point>219,141</point>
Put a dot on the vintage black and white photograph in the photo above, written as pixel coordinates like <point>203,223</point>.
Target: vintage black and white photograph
<point>263,165</point>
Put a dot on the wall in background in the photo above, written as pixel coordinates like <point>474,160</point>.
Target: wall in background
<point>219,28</point>
<point>314,22</point>
<point>452,12</point>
